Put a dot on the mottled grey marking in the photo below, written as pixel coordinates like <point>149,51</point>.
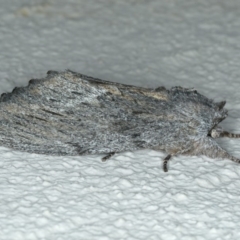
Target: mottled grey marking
<point>68,113</point>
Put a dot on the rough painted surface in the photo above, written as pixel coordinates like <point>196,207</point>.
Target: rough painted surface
<point>154,43</point>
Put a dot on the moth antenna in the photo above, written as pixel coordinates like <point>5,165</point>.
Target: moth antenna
<point>230,135</point>
<point>165,161</point>
<point>234,159</point>
<point>218,132</point>
<point>104,159</point>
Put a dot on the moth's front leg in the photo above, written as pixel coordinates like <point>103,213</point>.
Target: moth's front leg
<point>210,148</point>
<point>165,161</point>
<point>104,159</point>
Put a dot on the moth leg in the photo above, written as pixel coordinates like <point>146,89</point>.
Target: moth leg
<point>219,132</point>
<point>210,148</point>
<point>104,159</point>
<point>165,161</point>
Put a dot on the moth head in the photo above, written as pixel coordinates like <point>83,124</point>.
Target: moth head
<point>214,133</point>
<point>220,115</point>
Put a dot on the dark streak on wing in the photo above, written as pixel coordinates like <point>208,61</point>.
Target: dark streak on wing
<point>54,113</point>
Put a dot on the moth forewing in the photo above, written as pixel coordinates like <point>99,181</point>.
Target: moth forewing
<point>68,113</point>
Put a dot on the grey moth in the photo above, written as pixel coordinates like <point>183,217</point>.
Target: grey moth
<point>68,113</point>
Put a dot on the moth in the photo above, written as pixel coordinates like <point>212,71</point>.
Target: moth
<point>68,113</point>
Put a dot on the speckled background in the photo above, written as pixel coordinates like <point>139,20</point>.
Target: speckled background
<point>146,43</point>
